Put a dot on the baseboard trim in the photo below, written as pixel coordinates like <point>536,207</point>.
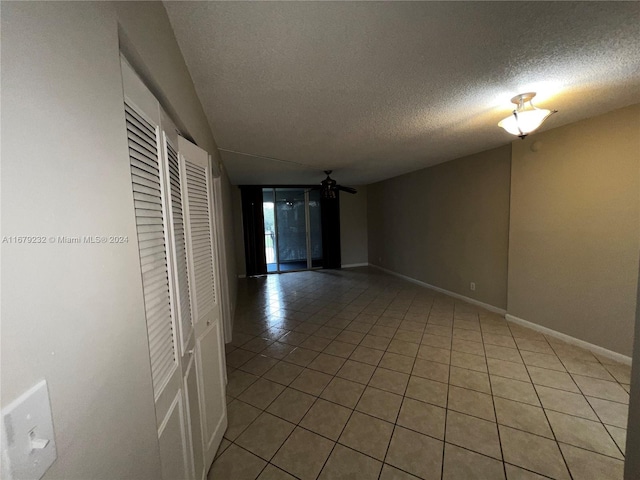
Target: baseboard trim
<point>618,357</point>
<point>353,265</point>
<point>242,276</point>
<point>473,301</point>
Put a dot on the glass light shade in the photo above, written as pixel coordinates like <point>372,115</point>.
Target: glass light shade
<point>524,120</point>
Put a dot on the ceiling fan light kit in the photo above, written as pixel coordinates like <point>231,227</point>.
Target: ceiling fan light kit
<point>526,118</point>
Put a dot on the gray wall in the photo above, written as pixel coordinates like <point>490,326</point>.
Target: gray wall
<point>353,227</point>
<point>446,225</point>
<point>575,229</point>
<point>73,314</point>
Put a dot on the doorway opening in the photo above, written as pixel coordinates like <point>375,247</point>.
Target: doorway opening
<point>292,229</point>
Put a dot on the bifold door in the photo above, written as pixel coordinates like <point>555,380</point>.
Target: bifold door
<point>172,190</point>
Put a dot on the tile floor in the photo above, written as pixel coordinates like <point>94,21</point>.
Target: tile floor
<point>355,374</point>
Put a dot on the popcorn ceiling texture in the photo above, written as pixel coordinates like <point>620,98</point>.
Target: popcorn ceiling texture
<point>373,90</point>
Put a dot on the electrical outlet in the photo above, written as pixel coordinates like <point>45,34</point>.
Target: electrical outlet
<point>472,286</point>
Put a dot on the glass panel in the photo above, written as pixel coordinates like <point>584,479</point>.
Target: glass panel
<point>291,227</point>
<point>270,250</point>
<point>315,226</point>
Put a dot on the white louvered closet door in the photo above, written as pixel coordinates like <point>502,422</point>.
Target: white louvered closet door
<point>163,289</point>
<point>203,267</point>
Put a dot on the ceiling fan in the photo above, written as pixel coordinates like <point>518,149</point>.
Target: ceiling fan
<point>329,187</point>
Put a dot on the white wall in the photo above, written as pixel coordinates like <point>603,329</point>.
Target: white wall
<point>354,247</point>
<point>73,314</point>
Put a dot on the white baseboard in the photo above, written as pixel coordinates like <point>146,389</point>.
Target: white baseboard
<point>473,301</point>
<point>618,357</point>
<point>353,265</point>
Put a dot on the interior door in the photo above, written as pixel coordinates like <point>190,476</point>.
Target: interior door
<point>154,243</point>
<point>197,184</point>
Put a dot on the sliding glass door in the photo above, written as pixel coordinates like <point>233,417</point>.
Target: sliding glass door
<point>292,229</point>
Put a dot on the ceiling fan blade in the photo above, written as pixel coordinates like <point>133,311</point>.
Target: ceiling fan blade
<point>346,189</point>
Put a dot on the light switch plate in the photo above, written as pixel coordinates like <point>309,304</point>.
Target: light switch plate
<point>28,441</point>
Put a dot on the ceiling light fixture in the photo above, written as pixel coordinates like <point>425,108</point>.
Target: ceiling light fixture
<point>525,118</point>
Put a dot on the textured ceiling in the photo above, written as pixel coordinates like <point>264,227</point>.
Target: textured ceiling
<point>376,89</point>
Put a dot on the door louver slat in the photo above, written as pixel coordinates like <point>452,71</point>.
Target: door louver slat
<point>151,225</point>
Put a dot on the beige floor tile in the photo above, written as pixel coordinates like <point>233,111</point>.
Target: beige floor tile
<point>407,336</point>
<point>374,341</point>
<point>343,392</point>
<point>438,330</point>
<point>258,344</point>
<point>236,463</point>
<point>498,340</point>
<point>538,454</point>
<point>240,339</point>
<point>278,350</point>
<point>303,454</point>
<point>291,405</point>
<point>311,382</point>
<point>399,363</point>
<point>522,416</point>
<point>327,332</point>
<point>389,380</point>
<point>265,435</point>
<point>224,444</point>
<point>403,348</point>
<point>412,326</point>
<point>239,357</point>
<point>340,349</point>
<point>239,417</point>
<point>427,390</point>
<point>417,454</point>
<point>594,387</point>
<point>283,373</point>
<point>588,369</point>
<point>392,473</point>
<point>347,336</point>
<point>471,402</point>
<point>514,390</point>
<point>436,341</point>
<point>367,434</point>
<point>274,473</point>
<point>502,353</point>
<point>552,378</point>
<point>463,377</point>
<point>586,465</point>
<point>380,404</point>
<point>542,360</point>
<point>239,381</point>
<point>431,370</point>
<point>467,346</point>
<point>293,338</point>
<point>356,371</point>
<point>619,436</point>
<point>473,433</point>
<point>469,335</point>
<point>326,419</point>
<point>367,355</point>
<point>389,322</point>
<point>359,327</point>
<point>261,393</point>
<point>328,364</point>
<point>622,373</point>
<point>301,356</point>
<point>463,464</point>
<point>565,402</point>
<point>611,413</point>
<point>470,361</point>
<point>422,417</point>
<point>345,464</point>
<point>515,371</point>
<point>383,331</point>
<point>434,354</point>
<point>517,473</point>
<point>316,343</point>
<point>583,433</point>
